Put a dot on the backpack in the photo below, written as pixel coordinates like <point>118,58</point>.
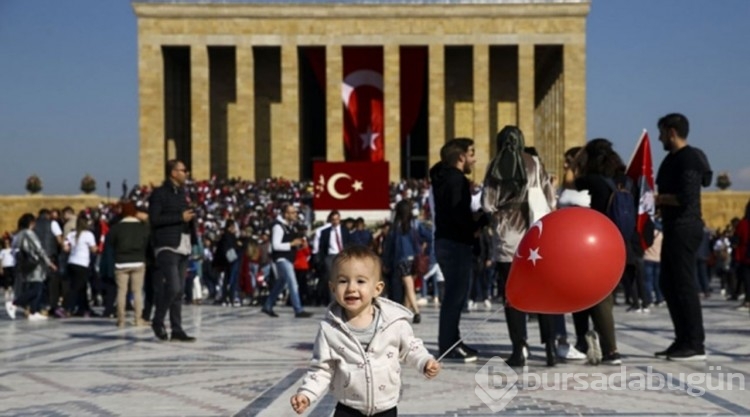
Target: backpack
<point>26,259</point>
<point>621,207</point>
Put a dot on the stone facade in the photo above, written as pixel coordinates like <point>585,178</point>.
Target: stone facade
<point>262,136</point>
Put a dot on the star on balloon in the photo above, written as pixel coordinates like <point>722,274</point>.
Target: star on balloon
<point>534,255</point>
<point>369,138</point>
<point>357,185</point>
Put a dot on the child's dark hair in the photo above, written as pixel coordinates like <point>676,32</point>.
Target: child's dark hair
<point>358,252</point>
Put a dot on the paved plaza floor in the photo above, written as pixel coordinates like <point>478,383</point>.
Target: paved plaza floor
<point>248,364</point>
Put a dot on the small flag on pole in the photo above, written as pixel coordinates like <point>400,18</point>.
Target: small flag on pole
<point>641,171</point>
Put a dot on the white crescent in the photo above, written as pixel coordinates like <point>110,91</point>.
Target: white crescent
<point>538,225</point>
<point>357,79</point>
<point>331,187</point>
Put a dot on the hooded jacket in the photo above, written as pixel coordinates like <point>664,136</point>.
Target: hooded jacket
<point>369,381</point>
<point>452,196</point>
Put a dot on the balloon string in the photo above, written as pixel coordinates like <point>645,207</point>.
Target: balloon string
<point>474,330</point>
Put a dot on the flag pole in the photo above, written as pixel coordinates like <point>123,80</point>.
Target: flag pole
<point>635,150</point>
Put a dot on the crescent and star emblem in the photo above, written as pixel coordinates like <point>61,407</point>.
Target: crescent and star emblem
<point>533,253</point>
<point>330,185</point>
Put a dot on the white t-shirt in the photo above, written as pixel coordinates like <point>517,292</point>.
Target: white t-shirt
<point>56,230</point>
<point>80,249</point>
<point>7,258</point>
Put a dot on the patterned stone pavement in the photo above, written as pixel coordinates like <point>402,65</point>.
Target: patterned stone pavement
<point>247,364</point>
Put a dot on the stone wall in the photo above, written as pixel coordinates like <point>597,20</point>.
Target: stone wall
<point>13,206</point>
<point>719,207</point>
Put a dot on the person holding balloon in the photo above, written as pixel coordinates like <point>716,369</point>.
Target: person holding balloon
<point>516,190</point>
<point>594,166</point>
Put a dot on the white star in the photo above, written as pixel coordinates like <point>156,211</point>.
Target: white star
<point>534,255</point>
<point>357,185</point>
<point>368,139</point>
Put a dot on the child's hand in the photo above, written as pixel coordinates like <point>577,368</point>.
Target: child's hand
<point>431,368</point>
<point>300,402</point>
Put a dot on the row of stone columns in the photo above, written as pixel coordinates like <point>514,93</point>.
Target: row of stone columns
<point>285,125</point>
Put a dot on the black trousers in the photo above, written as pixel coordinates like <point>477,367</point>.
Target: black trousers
<point>678,284</point>
<point>604,324</point>
<point>31,296</point>
<point>148,292</point>
<point>76,297</point>
<point>346,411</point>
<point>169,286</point>
<point>517,319</point>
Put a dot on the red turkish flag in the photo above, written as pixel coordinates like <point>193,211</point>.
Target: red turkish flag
<point>351,186</point>
<point>641,171</point>
<point>362,95</point>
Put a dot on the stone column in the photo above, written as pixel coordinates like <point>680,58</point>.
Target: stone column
<point>200,144</point>
<point>392,104</point>
<point>574,94</point>
<point>334,106</point>
<point>526,78</point>
<point>151,115</point>
<point>436,75</point>
<point>285,146</point>
<point>482,137</point>
<point>241,146</point>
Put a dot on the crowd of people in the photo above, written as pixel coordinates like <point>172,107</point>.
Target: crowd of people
<point>448,242</point>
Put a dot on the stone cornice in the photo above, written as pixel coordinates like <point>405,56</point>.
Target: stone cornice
<point>369,11</point>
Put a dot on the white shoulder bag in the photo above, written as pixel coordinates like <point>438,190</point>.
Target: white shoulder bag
<point>538,205</point>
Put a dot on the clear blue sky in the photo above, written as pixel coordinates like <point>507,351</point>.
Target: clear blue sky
<point>69,91</point>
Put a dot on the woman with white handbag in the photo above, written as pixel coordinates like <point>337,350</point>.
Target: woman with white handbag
<point>517,192</point>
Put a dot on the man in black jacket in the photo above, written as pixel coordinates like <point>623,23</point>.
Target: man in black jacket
<point>454,235</point>
<point>679,181</point>
<point>173,233</point>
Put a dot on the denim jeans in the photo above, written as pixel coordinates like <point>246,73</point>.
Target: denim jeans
<point>455,261</point>
<point>169,288</point>
<point>285,277</point>
<point>437,276</point>
<point>651,271</point>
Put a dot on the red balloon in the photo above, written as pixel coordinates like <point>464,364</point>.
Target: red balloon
<point>568,261</point>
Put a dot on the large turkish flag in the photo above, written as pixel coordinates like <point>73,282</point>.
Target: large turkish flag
<point>362,95</point>
<point>351,186</point>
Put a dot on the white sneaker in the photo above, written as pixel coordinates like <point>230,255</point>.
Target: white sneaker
<point>436,301</point>
<point>422,302</point>
<point>10,309</point>
<point>645,310</point>
<point>488,304</point>
<point>594,354</point>
<point>569,353</point>
<point>37,317</point>
<point>471,305</point>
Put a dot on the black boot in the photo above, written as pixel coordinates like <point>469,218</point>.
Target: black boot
<point>549,349</point>
<point>518,357</point>
<point>516,321</point>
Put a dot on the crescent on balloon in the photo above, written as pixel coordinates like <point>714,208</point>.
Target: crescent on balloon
<point>331,187</point>
<point>357,79</point>
<point>538,225</point>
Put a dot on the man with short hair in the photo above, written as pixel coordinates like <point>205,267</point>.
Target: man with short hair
<point>679,182</point>
<point>51,237</point>
<point>173,235</point>
<point>454,235</point>
<point>284,245</point>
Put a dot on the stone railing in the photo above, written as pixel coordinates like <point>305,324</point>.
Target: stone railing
<point>719,207</point>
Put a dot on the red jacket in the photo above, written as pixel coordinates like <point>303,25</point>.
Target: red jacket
<point>302,259</point>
